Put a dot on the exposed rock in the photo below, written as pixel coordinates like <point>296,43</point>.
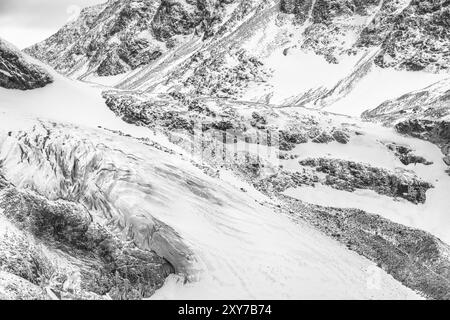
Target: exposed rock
<point>341,136</point>
<point>284,180</point>
<point>349,175</point>
<point>139,34</point>
<point>148,113</point>
<point>406,155</point>
<point>105,264</point>
<point>412,38</point>
<point>323,137</point>
<point>18,72</point>
<point>258,121</point>
<point>288,140</point>
<point>112,65</point>
<point>437,132</point>
<point>103,45</point>
<point>176,17</point>
<point>213,76</point>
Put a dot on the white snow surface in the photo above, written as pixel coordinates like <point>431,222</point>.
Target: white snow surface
<point>244,249</point>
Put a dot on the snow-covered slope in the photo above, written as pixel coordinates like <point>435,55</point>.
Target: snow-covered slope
<point>226,242</point>
<point>432,103</point>
<point>196,136</point>
<point>292,151</point>
<point>133,183</point>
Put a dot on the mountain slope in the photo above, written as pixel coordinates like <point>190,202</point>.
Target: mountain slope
<point>223,170</point>
<point>234,49</point>
<point>424,114</point>
<point>154,196</point>
<point>18,72</point>
<point>427,103</point>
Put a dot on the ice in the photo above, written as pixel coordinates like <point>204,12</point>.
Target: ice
<point>243,249</point>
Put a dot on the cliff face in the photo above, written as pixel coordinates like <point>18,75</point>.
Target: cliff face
<point>96,42</point>
<point>119,36</point>
<point>412,35</point>
<point>17,72</point>
<point>414,38</point>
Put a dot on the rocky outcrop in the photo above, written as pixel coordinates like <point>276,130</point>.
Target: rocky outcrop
<point>281,181</point>
<point>213,77</point>
<point>435,131</point>
<point>349,176</point>
<point>185,17</point>
<point>102,45</point>
<point>288,139</point>
<point>140,32</point>
<point>149,113</point>
<point>406,155</point>
<point>18,72</point>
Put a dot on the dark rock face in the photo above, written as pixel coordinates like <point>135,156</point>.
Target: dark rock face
<point>324,11</point>
<point>288,139</point>
<point>139,34</point>
<point>406,155</point>
<point>348,175</point>
<point>435,131</point>
<point>107,264</point>
<point>108,46</point>
<point>414,257</point>
<point>341,136</point>
<point>430,103</point>
<point>414,38</point>
<point>175,18</point>
<point>148,113</point>
<point>112,65</point>
<point>18,73</point>
<point>179,17</point>
<point>284,180</point>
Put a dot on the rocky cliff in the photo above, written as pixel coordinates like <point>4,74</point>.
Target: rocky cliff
<point>18,72</point>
